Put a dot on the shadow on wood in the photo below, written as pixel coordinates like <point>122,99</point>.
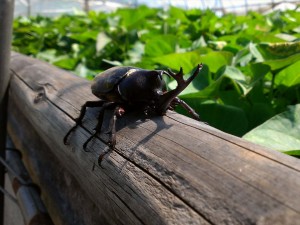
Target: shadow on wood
<point>165,170</point>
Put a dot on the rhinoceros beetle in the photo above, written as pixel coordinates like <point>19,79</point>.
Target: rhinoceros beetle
<point>123,88</point>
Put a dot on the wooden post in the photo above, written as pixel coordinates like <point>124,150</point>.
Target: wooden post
<point>28,8</point>
<point>6,17</point>
<point>86,7</point>
<point>165,170</point>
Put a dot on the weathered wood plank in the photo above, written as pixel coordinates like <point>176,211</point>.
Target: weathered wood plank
<point>165,170</point>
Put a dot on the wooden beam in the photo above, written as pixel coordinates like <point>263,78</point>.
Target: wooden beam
<point>164,170</point>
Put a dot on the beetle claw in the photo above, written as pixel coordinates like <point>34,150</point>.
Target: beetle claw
<point>176,101</point>
<point>101,157</point>
<point>66,142</point>
<point>111,144</point>
<point>86,143</point>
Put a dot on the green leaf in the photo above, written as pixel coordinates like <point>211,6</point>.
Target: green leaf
<point>289,76</point>
<point>209,92</point>
<point>102,41</point>
<point>281,132</point>
<point>221,117</point>
<point>215,60</point>
<point>243,57</point>
<point>236,76</point>
<point>259,71</point>
<point>279,50</point>
<point>85,36</point>
<point>48,55</point>
<point>135,54</point>
<point>264,110</point>
<point>131,17</point>
<point>212,90</point>
<point>255,52</point>
<point>280,63</point>
<point>295,153</point>
<point>188,60</point>
<point>114,63</point>
<point>286,37</point>
<point>82,71</point>
<point>160,45</point>
<point>66,63</point>
<point>178,13</point>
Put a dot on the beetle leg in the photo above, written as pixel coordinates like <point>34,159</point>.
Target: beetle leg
<point>118,112</point>
<point>176,101</point>
<point>78,120</point>
<point>112,133</point>
<point>99,124</point>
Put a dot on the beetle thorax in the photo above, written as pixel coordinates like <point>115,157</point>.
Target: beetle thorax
<point>143,88</point>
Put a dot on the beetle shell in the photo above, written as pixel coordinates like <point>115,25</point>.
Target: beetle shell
<point>128,84</point>
<point>108,79</point>
<point>105,83</point>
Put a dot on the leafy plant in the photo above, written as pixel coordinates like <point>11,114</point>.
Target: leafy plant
<point>251,62</point>
<point>280,132</point>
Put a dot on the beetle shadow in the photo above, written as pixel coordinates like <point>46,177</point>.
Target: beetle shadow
<point>133,120</point>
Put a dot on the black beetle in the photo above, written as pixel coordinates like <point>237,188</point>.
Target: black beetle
<point>125,87</point>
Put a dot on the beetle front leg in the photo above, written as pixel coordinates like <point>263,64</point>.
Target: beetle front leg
<point>99,124</point>
<point>78,120</point>
<point>176,101</point>
<point>118,112</point>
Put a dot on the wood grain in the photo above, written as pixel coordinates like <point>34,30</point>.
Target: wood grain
<point>164,170</point>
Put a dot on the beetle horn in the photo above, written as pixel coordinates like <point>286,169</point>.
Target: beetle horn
<point>166,99</point>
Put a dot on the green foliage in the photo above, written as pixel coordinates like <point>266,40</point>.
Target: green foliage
<point>251,63</point>
<point>280,132</point>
